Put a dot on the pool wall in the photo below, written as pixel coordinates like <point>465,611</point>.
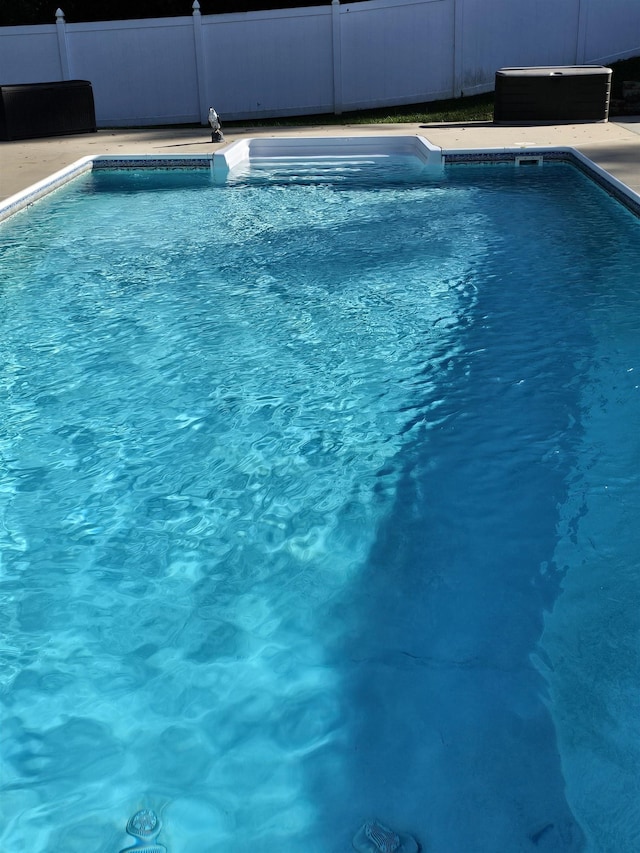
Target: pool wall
<point>241,153</point>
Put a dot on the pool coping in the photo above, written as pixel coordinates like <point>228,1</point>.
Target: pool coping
<point>223,161</point>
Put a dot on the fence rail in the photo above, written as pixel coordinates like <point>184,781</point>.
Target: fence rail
<point>312,60</point>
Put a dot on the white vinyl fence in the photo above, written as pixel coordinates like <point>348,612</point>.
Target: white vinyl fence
<point>318,59</point>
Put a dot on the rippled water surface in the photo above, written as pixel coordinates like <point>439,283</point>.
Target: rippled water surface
<point>318,502</point>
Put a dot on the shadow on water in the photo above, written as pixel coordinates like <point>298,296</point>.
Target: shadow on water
<point>448,734</point>
<point>447,731</point>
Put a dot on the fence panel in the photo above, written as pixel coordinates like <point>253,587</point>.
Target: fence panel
<point>612,30</point>
<point>318,59</point>
<point>269,63</point>
<point>396,51</point>
<point>29,54</point>
<point>142,72</point>
<point>535,32</point>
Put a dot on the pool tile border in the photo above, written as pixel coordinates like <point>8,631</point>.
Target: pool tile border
<point>104,162</point>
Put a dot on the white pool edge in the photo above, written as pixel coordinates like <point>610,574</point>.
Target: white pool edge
<point>27,196</point>
<point>240,153</point>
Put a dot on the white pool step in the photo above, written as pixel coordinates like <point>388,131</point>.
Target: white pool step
<point>244,153</point>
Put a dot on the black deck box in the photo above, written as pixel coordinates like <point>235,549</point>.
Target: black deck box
<point>556,94</point>
<point>30,110</point>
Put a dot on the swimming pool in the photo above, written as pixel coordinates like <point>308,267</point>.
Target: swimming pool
<point>317,505</point>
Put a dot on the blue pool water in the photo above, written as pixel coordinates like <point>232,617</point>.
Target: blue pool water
<point>318,502</point>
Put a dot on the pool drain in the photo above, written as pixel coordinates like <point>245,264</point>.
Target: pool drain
<point>375,837</point>
<point>144,826</point>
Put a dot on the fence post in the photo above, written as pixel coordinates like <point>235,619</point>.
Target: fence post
<point>336,44</point>
<point>201,68</point>
<point>458,48</point>
<point>581,37</point>
<point>63,47</point>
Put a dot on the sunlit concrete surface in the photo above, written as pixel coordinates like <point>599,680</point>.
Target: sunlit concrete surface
<point>615,146</point>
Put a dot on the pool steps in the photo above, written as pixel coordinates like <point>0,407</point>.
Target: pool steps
<point>313,149</point>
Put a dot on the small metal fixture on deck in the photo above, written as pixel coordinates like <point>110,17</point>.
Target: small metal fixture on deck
<point>216,127</point>
<point>144,826</point>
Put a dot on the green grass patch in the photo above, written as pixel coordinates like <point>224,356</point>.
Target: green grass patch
<point>476,108</point>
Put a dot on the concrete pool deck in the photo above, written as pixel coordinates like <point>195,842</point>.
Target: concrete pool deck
<point>614,145</point>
